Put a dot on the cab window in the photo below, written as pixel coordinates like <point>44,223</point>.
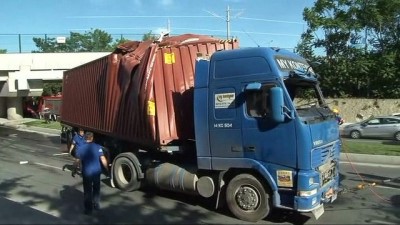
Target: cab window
<point>258,103</point>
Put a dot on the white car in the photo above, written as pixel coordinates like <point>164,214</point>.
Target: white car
<point>374,127</point>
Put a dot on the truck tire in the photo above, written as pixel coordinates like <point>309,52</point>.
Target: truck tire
<point>125,173</point>
<point>247,198</point>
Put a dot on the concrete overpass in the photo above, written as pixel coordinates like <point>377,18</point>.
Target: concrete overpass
<point>23,74</point>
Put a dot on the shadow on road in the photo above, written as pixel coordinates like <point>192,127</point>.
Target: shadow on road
<point>68,206</point>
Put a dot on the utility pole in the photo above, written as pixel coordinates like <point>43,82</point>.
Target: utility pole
<point>228,20</point>
<point>169,26</point>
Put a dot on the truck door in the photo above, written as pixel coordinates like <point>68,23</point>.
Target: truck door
<point>263,139</point>
<point>225,126</point>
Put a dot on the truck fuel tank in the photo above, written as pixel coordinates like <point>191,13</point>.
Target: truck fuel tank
<point>171,177</point>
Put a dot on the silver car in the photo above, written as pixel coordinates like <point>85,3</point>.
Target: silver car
<point>376,127</point>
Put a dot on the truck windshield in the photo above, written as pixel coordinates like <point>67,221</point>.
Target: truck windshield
<point>306,97</point>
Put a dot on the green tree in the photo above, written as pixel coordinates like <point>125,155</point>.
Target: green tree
<point>93,41</point>
<point>2,51</point>
<point>52,88</point>
<point>149,36</point>
<point>360,39</point>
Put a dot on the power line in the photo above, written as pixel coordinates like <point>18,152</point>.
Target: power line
<point>158,16</point>
<point>228,19</point>
<point>268,20</point>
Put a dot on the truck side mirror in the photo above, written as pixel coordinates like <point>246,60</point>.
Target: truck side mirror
<point>277,105</point>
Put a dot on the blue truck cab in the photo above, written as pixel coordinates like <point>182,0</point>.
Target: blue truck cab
<point>261,120</point>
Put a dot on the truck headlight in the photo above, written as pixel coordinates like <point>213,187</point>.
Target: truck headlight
<point>307,193</point>
<point>311,181</point>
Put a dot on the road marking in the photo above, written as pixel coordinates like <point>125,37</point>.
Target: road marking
<point>380,222</point>
<point>23,162</point>
<point>48,146</point>
<point>385,187</point>
<point>45,165</point>
<point>370,164</point>
<point>58,154</point>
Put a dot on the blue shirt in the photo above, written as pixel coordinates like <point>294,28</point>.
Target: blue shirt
<point>89,154</point>
<point>78,140</point>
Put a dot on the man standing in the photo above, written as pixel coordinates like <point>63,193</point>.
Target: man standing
<point>90,155</point>
<point>77,141</point>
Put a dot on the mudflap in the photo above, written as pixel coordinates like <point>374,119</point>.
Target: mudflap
<point>317,212</point>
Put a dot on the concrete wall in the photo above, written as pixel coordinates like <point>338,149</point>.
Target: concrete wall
<point>353,110</point>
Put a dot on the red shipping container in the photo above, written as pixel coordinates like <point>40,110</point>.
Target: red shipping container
<point>141,93</point>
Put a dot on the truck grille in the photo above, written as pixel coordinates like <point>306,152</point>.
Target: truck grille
<point>320,155</point>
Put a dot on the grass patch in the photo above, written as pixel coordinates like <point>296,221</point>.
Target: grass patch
<point>42,123</point>
<point>376,147</point>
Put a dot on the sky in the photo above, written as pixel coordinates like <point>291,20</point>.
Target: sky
<point>276,23</point>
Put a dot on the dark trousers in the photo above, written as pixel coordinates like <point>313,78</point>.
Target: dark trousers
<point>91,191</point>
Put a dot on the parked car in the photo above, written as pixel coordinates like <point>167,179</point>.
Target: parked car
<point>374,127</point>
<point>396,114</point>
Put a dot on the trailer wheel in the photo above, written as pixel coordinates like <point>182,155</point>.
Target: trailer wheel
<point>125,174</point>
<point>247,198</point>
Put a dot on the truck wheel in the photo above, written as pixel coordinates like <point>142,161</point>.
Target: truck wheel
<point>355,134</point>
<point>125,174</point>
<point>247,198</point>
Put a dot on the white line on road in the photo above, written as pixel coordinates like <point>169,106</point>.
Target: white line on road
<point>58,154</point>
<point>48,146</point>
<point>385,187</point>
<point>371,164</point>
<point>45,165</point>
<point>380,222</point>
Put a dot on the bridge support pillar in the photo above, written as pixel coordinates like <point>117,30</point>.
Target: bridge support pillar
<point>14,108</point>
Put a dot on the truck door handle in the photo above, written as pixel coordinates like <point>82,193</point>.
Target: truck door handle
<point>250,148</point>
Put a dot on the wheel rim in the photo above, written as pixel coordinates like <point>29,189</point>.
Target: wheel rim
<point>397,136</point>
<point>125,174</point>
<point>355,134</point>
<point>247,198</point>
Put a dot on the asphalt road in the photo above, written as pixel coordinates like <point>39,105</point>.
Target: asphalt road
<point>34,189</point>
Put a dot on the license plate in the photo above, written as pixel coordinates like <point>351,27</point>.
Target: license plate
<point>317,212</point>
